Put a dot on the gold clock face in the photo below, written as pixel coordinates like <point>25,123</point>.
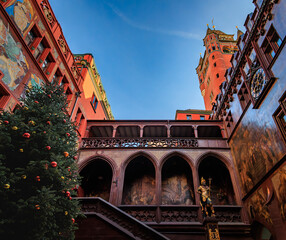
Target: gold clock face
<point>258,83</point>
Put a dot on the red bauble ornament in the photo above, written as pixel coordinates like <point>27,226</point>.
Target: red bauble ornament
<point>70,198</point>
<point>6,122</point>
<point>75,157</point>
<point>54,164</point>
<point>48,148</point>
<point>68,134</point>
<point>26,135</point>
<point>44,132</point>
<point>49,96</point>
<point>48,122</point>
<point>37,207</point>
<point>73,221</point>
<point>38,179</point>
<point>68,193</point>
<point>64,121</point>
<point>36,101</point>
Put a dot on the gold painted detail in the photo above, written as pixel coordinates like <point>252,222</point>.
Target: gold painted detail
<point>203,92</point>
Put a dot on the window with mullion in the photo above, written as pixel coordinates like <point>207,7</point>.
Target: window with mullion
<point>94,102</point>
<point>30,37</point>
<point>280,116</point>
<point>39,50</point>
<point>271,44</point>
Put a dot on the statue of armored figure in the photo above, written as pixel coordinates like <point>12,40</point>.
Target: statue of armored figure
<point>205,201</point>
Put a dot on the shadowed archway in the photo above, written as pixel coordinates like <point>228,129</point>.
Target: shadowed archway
<point>177,182</point>
<point>96,179</point>
<point>139,182</point>
<point>217,176</point>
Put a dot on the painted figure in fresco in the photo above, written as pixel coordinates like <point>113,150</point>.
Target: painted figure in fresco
<point>21,13</point>
<point>260,208</point>
<point>205,201</point>
<point>12,61</point>
<point>177,191</point>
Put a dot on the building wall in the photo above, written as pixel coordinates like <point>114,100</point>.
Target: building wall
<point>256,141</point>
<point>194,116</point>
<point>20,65</point>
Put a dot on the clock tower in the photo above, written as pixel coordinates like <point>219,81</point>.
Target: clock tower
<point>214,63</point>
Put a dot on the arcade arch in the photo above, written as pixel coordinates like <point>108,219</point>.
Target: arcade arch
<point>139,182</point>
<point>96,179</point>
<point>217,176</point>
<point>177,182</point>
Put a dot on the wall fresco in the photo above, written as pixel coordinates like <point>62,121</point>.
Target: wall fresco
<point>140,192</point>
<point>177,190</point>
<point>21,12</point>
<point>256,147</point>
<point>35,81</point>
<point>279,183</point>
<point>12,60</point>
<point>257,206</point>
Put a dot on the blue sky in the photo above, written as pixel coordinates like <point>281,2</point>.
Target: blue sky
<point>146,51</point>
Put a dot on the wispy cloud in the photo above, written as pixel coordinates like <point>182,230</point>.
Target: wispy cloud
<point>155,30</point>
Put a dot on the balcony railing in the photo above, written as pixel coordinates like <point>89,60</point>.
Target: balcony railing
<point>121,143</point>
<point>139,143</point>
<point>164,213</point>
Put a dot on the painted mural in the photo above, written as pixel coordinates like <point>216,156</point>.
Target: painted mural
<point>256,147</point>
<point>279,183</point>
<point>12,60</point>
<point>177,190</point>
<point>257,206</point>
<point>21,12</point>
<point>35,81</point>
<point>140,192</point>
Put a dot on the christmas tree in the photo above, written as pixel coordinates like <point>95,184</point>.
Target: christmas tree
<point>38,173</point>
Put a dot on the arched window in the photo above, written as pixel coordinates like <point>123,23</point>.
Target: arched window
<point>96,179</point>
<point>139,182</point>
<point>177,182</point>
<point>217,177</point>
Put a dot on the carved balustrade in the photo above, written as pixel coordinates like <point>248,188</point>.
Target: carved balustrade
<point>164,214</point>
<point>139,143</point>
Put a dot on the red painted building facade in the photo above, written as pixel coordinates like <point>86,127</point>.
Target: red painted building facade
<point>192,114</point>
<point>34,50</point>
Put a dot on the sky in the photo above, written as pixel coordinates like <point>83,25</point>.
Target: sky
<point>146,51</point>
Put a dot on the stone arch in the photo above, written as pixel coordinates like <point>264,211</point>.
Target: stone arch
<point>139,174</point>
<point>97,175</point>
<point>216,170</point>
<point>85,162</point>
<point>188,159</point>
<point>151,157</point>
<point>177,187</point>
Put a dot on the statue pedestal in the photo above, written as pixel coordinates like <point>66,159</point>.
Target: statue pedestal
<point>211,228</point>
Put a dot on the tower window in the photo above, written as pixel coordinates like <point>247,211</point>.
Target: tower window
<point>202,117</point>
<point>213,47</point>
<point>208,82</point>
<point>271,43</point>
<point>214,64</point>
<point>94,102</point>
<point>189,117</point>
<point>217,75</point>
<point>213,57</point>
<point>211,96</point>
